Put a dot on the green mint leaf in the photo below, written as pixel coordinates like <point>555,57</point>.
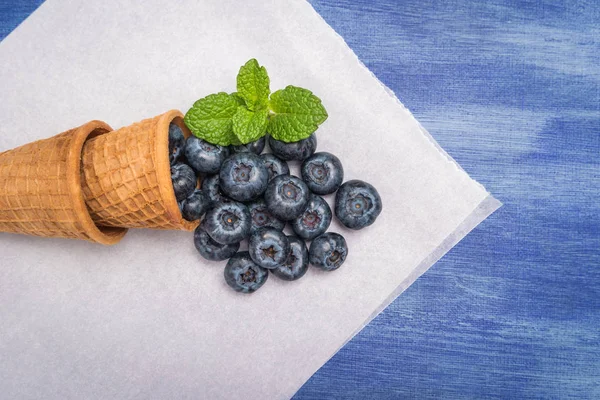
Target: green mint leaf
<point>240,100</point>
<point>210,119</point>
<point>298,113</point>
<point>253,85</point>
<point>248,125</point>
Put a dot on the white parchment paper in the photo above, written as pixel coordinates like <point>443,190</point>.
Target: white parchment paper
<point>149,318</point>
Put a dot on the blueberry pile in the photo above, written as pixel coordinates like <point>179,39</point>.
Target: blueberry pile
<point>246,195</point>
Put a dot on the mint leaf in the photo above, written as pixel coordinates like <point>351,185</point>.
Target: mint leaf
<point>298,113</point>
<point>239,98</point>
<point>253,85</point>
<point>210,119</point>
<point>248,125</point>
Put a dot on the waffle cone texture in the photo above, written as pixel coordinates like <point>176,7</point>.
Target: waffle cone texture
<point>126,176</point>
<point>41,188</point>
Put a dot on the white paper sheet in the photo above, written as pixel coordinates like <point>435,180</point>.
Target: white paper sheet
<point>149,318</point>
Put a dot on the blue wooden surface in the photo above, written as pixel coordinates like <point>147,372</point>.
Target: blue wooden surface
<point>511,89</point>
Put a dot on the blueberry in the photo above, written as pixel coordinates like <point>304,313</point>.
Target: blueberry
<point>323,173</point>
<point>210,186</point>
<point>176,143</point>
<point>227,223</point>
<point>314,220</point>
<point>294,150</point>
<point>243,177</point>
<point>184,180</point>
<point>296,264</point>
<point>262,217</point>
<point>268,247</point>
<point>286,197</point>
<point>328,251</point>
<point>255,147</point>
<point>243,275</point>
<point>203,156</point>
<point>210,249</point>
<point>274,165</point>
<point>357,204</point>
<point>195,205</point>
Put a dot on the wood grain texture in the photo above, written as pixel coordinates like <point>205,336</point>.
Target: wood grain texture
<point>13,12</point>
<point>511,90</point>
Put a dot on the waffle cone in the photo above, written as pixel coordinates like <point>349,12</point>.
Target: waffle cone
<point>126,176</point>
<point>40,188</point>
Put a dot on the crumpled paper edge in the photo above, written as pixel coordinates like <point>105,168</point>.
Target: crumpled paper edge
<point>487,207</point>
<point>481,212</point>
<point>391,94</point>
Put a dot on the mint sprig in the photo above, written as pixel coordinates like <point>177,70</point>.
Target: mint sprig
<point>297,113</point>
<point>248,125</point>
<point>210,118</point>
<point>290,114</point>
<point>253,85</point>
<point>240,100</point>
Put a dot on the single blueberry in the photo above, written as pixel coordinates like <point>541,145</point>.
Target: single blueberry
<point>210,249</point>
<point>274,165</point>
<point>244,275</point>
<point>357,204</point>
<point>296,264</point>
<point>203,156</point>
<point>322,172</point>
<point>262,217</point>
<point>210,186</point>
<point>314,220</point>
<point>195,205</point>
<point>286,197</point>
<point>268,247</point>
<point>294,150</point>
<point>255,147</point>
<point>328,251</point>
<point>184,180</point>
<point>176,143</point>
<point>227,223</point>
<point>243,177</point>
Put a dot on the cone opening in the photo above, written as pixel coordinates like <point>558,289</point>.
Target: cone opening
<point>104,235</point>
<point>186,133</point>
<point>97,132</point>
<point>164,167</point>
<point>106,230</point>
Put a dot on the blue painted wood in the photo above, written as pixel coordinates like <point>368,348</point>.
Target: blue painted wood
<point>511,89</point>
<point>13,12</point>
